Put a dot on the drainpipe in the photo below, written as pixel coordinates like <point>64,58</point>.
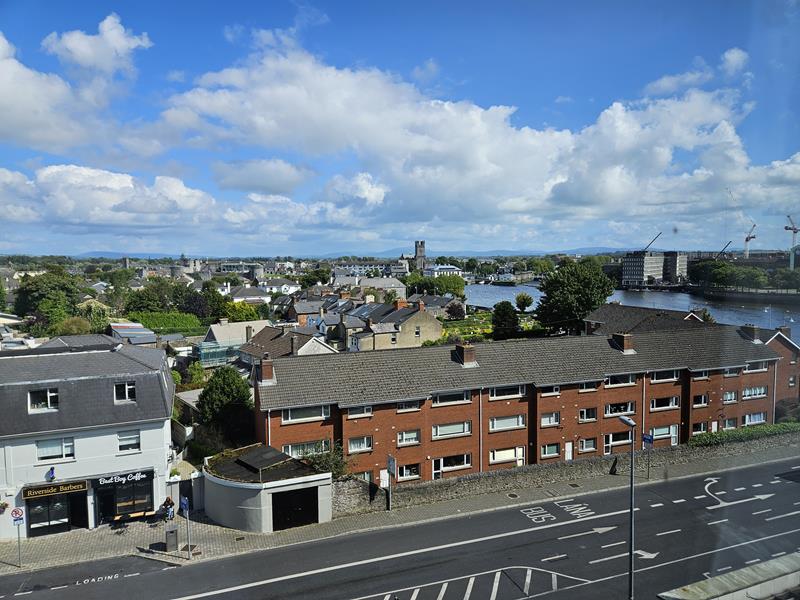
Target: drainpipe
<point>644,408</point>
<point>269,427</point>
<point>774,390</point>
<point>480,428</point>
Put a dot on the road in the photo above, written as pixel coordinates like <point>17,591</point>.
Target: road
<point>576,548</point>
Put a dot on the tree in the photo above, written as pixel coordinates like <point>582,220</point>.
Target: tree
<point>455,311</point>
<point>197,374</point>
<point>73,326</point>
<point>214,300</point>
<point>334,461</point>
<point>225,402</point>
<point>240,311</point>
<point>570,293</point>
<point>471,265</point>
<point>57,286</point>
<point>146,300</point>
<point>524,301</point>
<point>264,312</point>
<point>706,315</point>
<point>505,322</point>
<point>2,296</point>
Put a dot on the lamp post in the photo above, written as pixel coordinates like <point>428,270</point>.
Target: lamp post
<point>632,424</point>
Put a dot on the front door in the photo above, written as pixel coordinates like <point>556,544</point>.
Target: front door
<point>568,451</point>
<point>714,426</point>
<point>437,468</point>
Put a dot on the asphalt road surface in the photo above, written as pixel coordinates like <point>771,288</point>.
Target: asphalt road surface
<point>686,530</point>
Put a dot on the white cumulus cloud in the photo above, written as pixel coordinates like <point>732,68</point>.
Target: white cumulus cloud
<point>268,176</point>
<point>733,61</point>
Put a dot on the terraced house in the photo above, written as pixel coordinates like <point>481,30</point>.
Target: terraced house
<point>452,410</point>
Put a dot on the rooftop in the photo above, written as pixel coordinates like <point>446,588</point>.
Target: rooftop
<point>257,464</point>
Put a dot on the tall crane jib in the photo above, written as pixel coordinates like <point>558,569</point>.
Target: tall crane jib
<point>750,236</point>
<point>794,229</point>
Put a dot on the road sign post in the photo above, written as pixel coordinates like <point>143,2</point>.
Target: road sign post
<point>391,466</point>
<point>18,517</point>
<point>648,442</point>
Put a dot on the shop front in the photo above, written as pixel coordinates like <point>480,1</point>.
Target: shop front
<point>123,495</point>
<point>56,507</point>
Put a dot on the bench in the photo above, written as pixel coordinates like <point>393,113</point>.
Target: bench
<point>136,515</point>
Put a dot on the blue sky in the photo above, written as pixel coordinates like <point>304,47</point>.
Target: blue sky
<point>286,128</point>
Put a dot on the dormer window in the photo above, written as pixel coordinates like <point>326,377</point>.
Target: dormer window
<point>43,400</point>
<point>125,392</point>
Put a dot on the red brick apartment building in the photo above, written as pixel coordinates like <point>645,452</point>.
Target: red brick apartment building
<point>452,410</point>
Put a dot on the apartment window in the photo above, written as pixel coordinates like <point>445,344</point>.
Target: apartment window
<point>658,376</point>
<point>550,390</point>
<point>125,392</point>
<point>754,419</point>
<point>588,386</point>
<point>700,400</point>
<point>365,475</point>
<point>792,380</point>
<point>457,461</point>
<point>306,413</point>
<point>410,406</point>
<point>700,375</point>
<point>758,391</point>
<point>729,423</point>
<point>501,423</point>
<point>698,428</point>
<point>394,338</point>
<point>729,397</point>
<point>452,429</point>
<point>666,432</point>
<point>794,357</point>
<point>509,391</point>
<point>129,441</point>
<point>731,372</point>
<point>43,400</point>
<point>302,449</point>
<point>359,411</point>
<point>587,445</point>
<point>417,332</point>
<point>755,367</point>
<point>55,449</point>
<point>507,455</point>
<point>361,443</point>
<point>629,379</point>
<point>551,450</point>
<point>585,415</point>
<point>664,403</point>
<point>408,472</point>
<point>408,438</point>
<point>451,398</point>
<point>616,439</point>
<point>619,408</point>
<point>550,419</point>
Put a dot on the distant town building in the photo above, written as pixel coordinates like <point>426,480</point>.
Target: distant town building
<point>439,270</point>
<point>419,255</point>
<point>644,267</point>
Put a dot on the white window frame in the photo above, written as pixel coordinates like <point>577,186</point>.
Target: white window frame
<point>409,406</point>
<point>792,380</point>
<point>754,392</point>
<point>466,426</point>
<point>555,390</point>
<point>467,458</point>
<point>466,398</point>
<point>417,331</point>
<point>726,423</point>
<point>631,380</point>
<point>520,423</point>
<point>318,447</point>
<point>518,454</point>
<point>584,418</point>
<point>365,475</point>
<point>731,372</point>
<point>67,444</point>
<point>582,445</point>
<point>367,439</point>
<point>403,476</point>
<point>129,434</point>
<point>402,441</point>
<point>735,397</point>
<point>359,412</point>
<point>703,427</point>
<point>543,450</point>
<point>747,421</point>
<point>761,366</point>
<point>666,432</point>
<point>698,375</point>
<point>544,421</point>
<point>631,409</point>
<point>50,393</point>
<point>286,414</point>
<point>493,392</point>
<point>703,404</point>
<point>609,443</point>
<point>583,386</point>
<point>655,376</point>
<point>393,338</point>
<point>674,403</point>
<point>128,386</point>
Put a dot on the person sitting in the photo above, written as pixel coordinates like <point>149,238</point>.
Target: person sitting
<point>169,508</point>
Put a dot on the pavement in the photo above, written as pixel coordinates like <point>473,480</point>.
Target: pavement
<point>141,544</point>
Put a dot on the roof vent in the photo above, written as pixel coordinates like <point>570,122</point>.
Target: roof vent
<point>117,348</point>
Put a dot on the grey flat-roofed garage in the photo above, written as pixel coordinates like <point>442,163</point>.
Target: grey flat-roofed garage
<point>260,489</point>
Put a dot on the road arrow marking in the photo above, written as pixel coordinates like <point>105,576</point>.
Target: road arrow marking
<point>723,503</point>
<point>642,554</point>
<point>595,530</point>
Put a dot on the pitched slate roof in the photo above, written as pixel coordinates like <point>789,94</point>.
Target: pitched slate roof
<point>381,283</point>
<point>308,307</point>
<point>273,341</point>
<point>80,341</point>
<point>85,377</point>
<point>430,300</point>
<point>361,378</point>
<point>248,292</point>
<point>278,282</point>
<point>234,333</point>
<point>618,318</point>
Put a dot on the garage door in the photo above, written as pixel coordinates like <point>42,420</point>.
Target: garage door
<point>295,508</point>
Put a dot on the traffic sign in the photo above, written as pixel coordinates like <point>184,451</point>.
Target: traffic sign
<point>184,503</point>
<point>647,438</point>
<point>18,515</point>
<point>391,465</point>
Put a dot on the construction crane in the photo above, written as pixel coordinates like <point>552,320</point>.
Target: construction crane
<point>721,252</point>
<point>794,229</point>
<point>651,242</point>
<point>747,239</point>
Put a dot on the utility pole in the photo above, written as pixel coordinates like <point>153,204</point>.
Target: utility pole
<point>631,549</point>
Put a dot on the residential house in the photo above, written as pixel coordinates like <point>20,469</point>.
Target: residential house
<point>385,284</point>
<point>435,305</point>
<point>396,325</point>
<point>223,340</point>
<point>275,342</point>
<point>250,295</point>
<point>132,333</point>
<point>300,311</point>
<point>279,286</point>
<point>439,270</point>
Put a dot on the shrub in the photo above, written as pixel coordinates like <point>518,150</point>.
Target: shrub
<point>742,434</point>
<point>173,321</point>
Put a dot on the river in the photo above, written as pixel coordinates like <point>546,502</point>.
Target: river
<point>732,313</point>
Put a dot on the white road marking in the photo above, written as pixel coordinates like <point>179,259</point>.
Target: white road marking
<point>614,544</point>
<point>700,497</point>
<point>526,588</point>
<point>722,493</point>
<point>641,553</point>
<point>668,532</point>
<point>23,593</point>
<point>678,501</point>
<point>168,568</point>
<point>758,485</point>
<point>468,593</point>
<point>721,569</point>
<point>761,512</point>
<point>441,592</point>
<point>387,597</point>
<point>750,562</point>
<point>739,489</point>
<point>131,575</point>
<point>553,582</point>
<point>774,482</point>
<point>58,587</point>
<point>797,467</point>
<point>656,505</point>
<point>716,522</point>
<point>495,585</point>
<point>777,554</point>
<point>595,530</point>
<point>791,514</point>
<point>415,594</point>
<point>556,557</point>
<point>795,504</point>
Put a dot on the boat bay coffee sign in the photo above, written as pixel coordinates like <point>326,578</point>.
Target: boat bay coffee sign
<point>122,478</point>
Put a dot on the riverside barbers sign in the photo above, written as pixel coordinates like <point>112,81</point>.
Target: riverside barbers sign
<point>53,489</point>
<point>122,478</point>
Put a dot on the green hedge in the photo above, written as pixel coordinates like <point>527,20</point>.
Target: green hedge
<point>742,434</point>
<point>159,321</point>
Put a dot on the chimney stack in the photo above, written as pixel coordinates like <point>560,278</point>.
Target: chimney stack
<point>223,321</point>
<point>421,306</point>
<point>248,333</point>
<point>624,341</point>
<point>465,353</point>
<point>294,344</point>
<point>400,303</point>
<point>267,370</point>
<point>750,331</point>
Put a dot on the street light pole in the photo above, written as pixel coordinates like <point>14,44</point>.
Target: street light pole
<point>631,549</point>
